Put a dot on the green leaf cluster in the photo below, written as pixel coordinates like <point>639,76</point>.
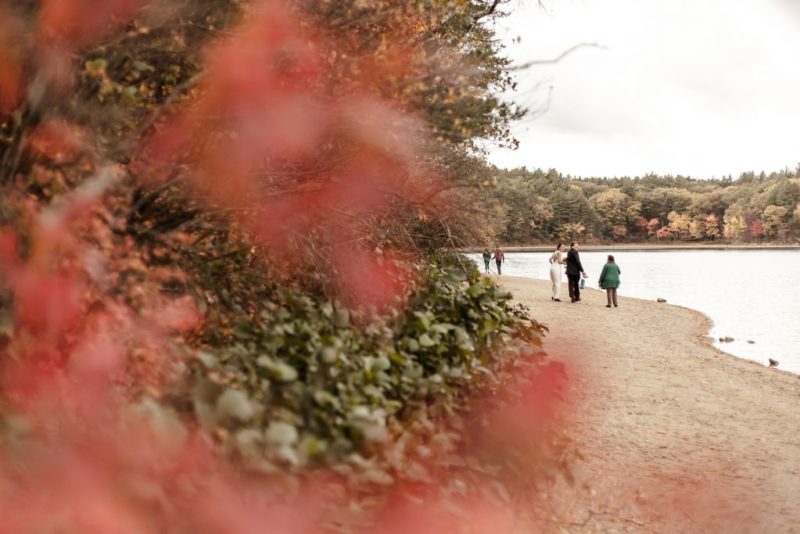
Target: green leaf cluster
<point>308,384</point>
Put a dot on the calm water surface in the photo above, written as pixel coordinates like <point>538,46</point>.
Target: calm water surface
<point>748,294</point>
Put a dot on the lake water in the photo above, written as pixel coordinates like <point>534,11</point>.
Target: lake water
<point>748,294</point>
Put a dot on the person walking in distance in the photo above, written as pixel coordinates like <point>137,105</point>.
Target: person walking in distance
<point>499,258</point>
<point>556,261</point>
<point>609,280</point>
<point>574,272</point>
<point>487,257</point>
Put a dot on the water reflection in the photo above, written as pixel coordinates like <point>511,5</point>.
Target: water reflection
<point>748,294</point>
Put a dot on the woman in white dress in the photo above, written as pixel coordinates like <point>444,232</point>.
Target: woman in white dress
<point>555,272</point>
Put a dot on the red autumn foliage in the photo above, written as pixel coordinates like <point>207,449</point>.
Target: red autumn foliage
<point>95,462</point>
<point>10,63</point>
<point>76,22</point>
<point>295,153</point>
<point>757,228</point>
<point>57,141</point>
<point>266,140</point>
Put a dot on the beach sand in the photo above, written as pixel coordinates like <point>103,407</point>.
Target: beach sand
<point>676,436</point>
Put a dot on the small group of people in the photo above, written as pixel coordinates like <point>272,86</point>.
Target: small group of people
<point>609,276</point>
<point>498,257</point>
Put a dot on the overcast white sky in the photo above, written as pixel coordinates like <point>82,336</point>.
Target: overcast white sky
<point>695,87</point>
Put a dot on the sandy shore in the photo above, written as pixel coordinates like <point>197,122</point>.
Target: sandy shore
<point>676,435</point>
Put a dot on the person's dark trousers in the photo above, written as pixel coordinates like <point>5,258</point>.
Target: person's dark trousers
<point>499,263</point>
<point>574,286</point>
<point>487,265</point>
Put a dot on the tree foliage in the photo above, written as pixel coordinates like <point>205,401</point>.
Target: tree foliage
<point>217,220</point>
<point>536,205</point>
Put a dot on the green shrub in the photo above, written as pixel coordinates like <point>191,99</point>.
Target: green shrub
<point>310,383</point>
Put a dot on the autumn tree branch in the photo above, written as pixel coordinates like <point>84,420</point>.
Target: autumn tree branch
<point>556,59</point>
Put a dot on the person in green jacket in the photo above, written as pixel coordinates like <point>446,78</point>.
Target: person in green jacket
<point>609,280</point>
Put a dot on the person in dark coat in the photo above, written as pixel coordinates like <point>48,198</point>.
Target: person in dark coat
<point>574,272</point>
<point>487,257</point>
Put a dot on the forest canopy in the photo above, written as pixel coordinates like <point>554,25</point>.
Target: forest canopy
<point>534,206</point>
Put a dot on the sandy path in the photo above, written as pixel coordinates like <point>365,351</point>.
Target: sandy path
<point>677,436</point>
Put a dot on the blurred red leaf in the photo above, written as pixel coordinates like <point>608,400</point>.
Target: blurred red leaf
<point>10,83</point>
<point>65,25</point>
<point>367,279</point>
<point>57,141</point>
<point>76,22</point>
<point>269,141</point>
<point>10,67</point>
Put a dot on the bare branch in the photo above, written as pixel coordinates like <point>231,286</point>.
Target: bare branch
<point>489,11</point>
<point>556,59</point>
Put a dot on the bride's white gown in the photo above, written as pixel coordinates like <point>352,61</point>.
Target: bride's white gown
<point>555,274</point>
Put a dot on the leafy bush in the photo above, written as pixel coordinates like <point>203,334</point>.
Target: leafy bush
<point>306,383</point>
<point>143,179</point>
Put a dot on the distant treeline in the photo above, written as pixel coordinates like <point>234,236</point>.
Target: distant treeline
<point>530,206</point>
